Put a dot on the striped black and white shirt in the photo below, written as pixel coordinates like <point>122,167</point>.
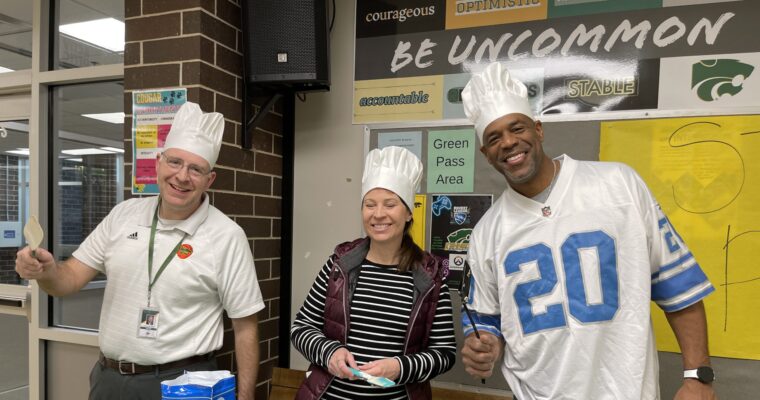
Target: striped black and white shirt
<point>380,311</point>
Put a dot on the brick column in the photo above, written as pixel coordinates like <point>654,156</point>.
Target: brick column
<point>197,44</point>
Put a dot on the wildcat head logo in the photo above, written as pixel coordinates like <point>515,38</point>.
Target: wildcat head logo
<point>713,79</point>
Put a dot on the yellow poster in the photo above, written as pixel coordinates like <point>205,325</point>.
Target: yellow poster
<point>705,172</point>
<point>471,13</point>
<point>418,215</point>
<point>398,99</point>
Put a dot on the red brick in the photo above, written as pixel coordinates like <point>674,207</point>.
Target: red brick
<point>233,204</point>
<point>198,21</point>
<point>268,164</point>
<point>159,26</point>
<point>132,8</point>
<point>235,157</point>
<point>277,148</point>
<point>132,53</point>
<point>178,49</point>
<point>267,206</point>
<point>253,183</point>
<point>230,61</point>
<point>204,98</point>
<point>230,107</point>
<point>266,248</point>
<point>230,132</point>
<point>161,6</point>
<point>263,389</point>
<point>263,270</point>
<point>270,288</point>
<point>229,12</point>
<point>276,227</point>
<point>154,76</point>
<point>198,72</point>
<point>268,329</point>
<point>225,179</point>
<point>276,268</point>
<point>224,362</point>
<point>255,227</point>
<point>262,141</point>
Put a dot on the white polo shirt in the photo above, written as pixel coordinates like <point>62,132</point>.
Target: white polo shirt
<point>218,274</point>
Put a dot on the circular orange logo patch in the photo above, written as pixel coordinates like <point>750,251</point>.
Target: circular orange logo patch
<point>184,251</point>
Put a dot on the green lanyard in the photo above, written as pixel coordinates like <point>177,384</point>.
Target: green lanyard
<point>150,253</point>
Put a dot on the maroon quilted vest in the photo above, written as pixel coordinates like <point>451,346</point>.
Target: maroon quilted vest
<point>348,256</point>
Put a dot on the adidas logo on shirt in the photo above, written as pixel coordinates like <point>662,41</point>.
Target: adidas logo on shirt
<point>132,236</point>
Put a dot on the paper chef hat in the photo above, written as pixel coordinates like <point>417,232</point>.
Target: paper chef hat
<point>393,168</point>
<point>492,94</point>
<point>196,132</point>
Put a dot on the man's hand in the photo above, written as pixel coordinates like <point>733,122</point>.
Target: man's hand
<point>387,367</point>
<point>692,389</point>
<point>339,363</point>
<point>39,267</point>
<point>480,355</point>
<point>57,279</point>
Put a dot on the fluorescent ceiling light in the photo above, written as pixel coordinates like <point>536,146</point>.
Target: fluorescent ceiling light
<point>113,118</point>
<point>113,149</point>
<point>3,69</point>
<point>106,32</point>
<point>20,151</point>
<point>78,160</point>
<point>85,152</point>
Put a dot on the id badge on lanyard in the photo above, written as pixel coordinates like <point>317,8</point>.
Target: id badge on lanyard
<point>148,319</point>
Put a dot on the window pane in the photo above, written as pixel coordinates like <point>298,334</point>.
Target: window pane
<point>88,125</point>
<point>14,195</point>
<point>15,35</point>
<point>14,347</point>
<point>89,32</point>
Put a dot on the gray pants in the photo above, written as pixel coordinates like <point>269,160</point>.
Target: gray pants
<point>109,384</point>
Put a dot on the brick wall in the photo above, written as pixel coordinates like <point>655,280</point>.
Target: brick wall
<point>197,44</point>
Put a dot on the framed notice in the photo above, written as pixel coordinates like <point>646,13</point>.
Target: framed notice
<point>152,115</point>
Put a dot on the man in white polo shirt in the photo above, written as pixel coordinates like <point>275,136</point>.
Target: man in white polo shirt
<point>174,263</point>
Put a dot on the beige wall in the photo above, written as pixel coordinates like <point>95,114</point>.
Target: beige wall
<point>329,153</point>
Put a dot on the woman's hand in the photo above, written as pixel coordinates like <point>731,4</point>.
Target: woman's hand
<point>387,367</point>
<point>339,363</point>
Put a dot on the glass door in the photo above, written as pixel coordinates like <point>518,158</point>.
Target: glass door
<point>14,291</point>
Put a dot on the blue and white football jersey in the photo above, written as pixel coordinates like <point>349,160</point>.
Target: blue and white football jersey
<point>568,284</point>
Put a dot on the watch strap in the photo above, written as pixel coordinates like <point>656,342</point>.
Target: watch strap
<point>690,373</point>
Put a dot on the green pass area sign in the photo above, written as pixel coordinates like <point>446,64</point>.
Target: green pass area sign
<point>451,161</point>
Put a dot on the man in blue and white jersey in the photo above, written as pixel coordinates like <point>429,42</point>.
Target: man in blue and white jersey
<point>565,264</point>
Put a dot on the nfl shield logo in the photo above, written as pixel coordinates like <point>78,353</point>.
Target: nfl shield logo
<point>546,211</point>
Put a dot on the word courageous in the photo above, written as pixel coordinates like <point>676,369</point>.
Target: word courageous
<point>400,15</point>
<point>549,41</point>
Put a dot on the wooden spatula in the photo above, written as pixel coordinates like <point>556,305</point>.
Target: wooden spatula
<point>33,233</point>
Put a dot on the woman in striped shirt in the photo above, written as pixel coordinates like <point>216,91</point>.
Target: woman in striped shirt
<point>380,304</point>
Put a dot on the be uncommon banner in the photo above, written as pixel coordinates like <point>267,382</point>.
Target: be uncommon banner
<point>414,57</point>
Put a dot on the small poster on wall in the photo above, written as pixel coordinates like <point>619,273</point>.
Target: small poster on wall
<point>152,115</point>
<point>452,219</point>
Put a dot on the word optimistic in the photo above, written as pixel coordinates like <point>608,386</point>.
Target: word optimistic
<point>549,41</point>
<point>480,6</point>
<point>413,98</point>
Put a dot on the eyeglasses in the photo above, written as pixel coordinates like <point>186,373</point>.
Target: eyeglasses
<point>176,164</point>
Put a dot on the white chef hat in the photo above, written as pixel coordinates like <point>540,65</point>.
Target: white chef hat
<point>492,94</point>
<point>196,132</point>
<point>393,168</point>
